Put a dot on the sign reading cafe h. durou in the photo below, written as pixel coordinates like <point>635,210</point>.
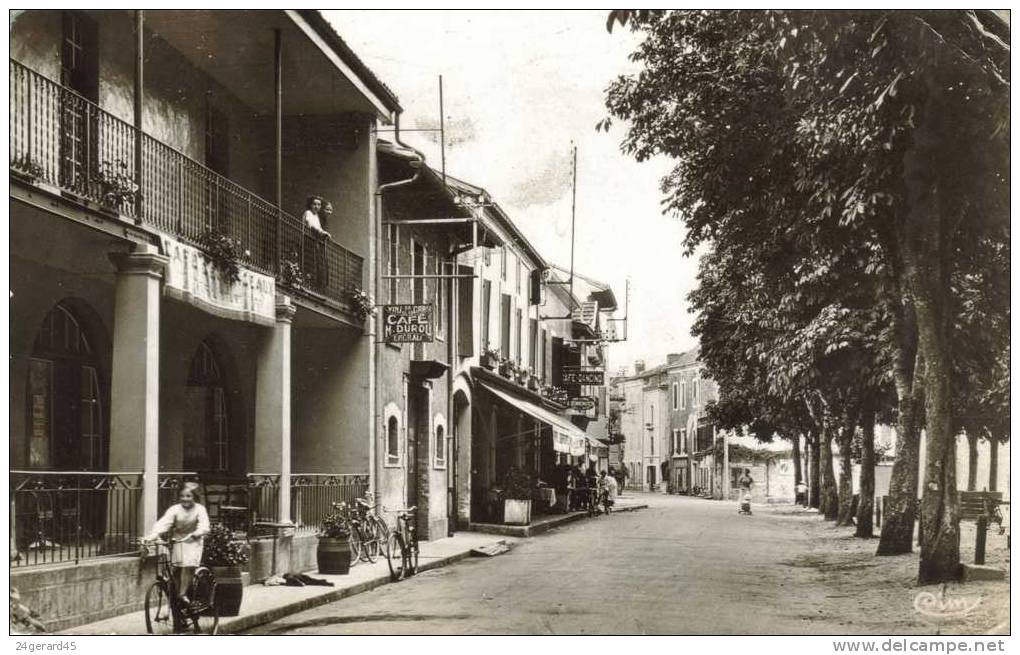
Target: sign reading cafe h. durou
<point>407,323</point>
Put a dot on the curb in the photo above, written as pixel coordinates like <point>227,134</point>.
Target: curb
<point>526,531</point>
<point>238,624</point>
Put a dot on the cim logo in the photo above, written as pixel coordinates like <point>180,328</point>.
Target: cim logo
<point>941,606</point>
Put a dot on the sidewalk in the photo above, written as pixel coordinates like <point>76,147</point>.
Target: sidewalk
<point>264,604</point>
<point>546,522</point>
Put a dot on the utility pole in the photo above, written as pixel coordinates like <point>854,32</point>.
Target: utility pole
<point>573,218</point>
<point>442,132</point>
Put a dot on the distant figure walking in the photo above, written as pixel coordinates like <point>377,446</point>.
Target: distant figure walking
<point>745,482</point>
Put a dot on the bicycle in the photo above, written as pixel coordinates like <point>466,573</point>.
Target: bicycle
<point>363,540</point>
<point>165,611</point>
<point>374,523</point>
<point>404,540</point>
<point>607,501</point>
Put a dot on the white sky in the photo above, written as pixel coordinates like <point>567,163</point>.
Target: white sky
<point>519,86</point>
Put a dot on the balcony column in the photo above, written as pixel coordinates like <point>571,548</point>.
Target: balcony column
<point>134,383</point>
<point>278,145</point>
<point>139,87</point>
<point>272,403</point>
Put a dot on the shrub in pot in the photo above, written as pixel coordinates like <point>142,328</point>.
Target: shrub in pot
<point>518,488</point>
<point>333,553</point>
<point>225,555</point>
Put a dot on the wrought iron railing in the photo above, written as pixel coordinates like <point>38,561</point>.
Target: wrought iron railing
<point>239,502</point>
<point>61,139</point>
<point>66,516</point>
<point>312,495</point>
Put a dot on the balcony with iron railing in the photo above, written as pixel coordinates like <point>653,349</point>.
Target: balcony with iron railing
<point>61,141</point>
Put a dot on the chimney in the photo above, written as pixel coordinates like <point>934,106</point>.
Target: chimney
<point>673,358</point>
<point>639,366</point>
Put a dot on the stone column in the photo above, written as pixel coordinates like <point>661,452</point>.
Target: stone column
<point>272,403</point>
<point>134,383</point>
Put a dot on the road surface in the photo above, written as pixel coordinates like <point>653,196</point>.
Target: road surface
<point>682,566</point>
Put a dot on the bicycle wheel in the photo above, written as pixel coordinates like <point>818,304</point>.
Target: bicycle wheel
<point>159,614</point>
<point>397,558</point>
<point>205,617</point>
<point>382,535</point>
<point>354,541</point>
<point>369,543</point>
<point>412,555</point>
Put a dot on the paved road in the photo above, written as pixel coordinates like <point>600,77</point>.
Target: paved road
<point>682,566</point>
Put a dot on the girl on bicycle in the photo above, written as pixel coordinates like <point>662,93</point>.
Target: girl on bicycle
<point>184,526</point>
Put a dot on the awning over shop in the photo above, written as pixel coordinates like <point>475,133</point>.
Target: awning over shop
<point>567,437</point>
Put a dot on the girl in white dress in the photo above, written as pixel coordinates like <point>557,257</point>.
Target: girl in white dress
<point>185,525</point>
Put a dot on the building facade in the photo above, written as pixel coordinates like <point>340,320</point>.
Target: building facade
<point>169,323</point>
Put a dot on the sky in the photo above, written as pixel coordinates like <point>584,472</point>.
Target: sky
<point>518,88</point>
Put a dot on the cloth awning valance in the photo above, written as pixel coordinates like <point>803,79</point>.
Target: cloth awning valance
<point>567,437</point>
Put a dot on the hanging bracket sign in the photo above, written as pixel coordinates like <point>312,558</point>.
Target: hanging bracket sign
<point>583,403</point>
<point>588,377</point>
<point>407,323</point>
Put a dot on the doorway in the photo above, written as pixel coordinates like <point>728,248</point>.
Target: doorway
<point>651,478</point>
<point>417,446</point>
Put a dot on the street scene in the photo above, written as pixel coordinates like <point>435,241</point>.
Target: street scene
<point>491,322</point>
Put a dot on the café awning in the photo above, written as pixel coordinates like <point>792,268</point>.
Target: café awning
<point>567,437</point>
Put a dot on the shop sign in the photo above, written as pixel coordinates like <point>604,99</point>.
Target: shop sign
<point>561,442</point>
<point>577,446</point>
<point>586,377</point>
<point>582,403</point>
<point>193,278</point>
<point>407,323</point>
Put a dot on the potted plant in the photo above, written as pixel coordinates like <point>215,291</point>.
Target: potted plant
<point>518,488</point>
<point>490,358</point>
<point>534,382</point>
<point>507,368</point>
<point>225,555</point>
<point>291,273</point>
<point>362,303</point>
<point>115,185</point>
<point>28,168</point>
<point>333,553</point>
<point>225,253</point>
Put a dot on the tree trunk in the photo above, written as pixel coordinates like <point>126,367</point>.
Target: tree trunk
<point>798,476</point>
<point>866,503</point>
<point>830,498</point>
<point>845,515</point>
<point>972,458</point>
<point>815,481</point>
<point>900,513</point>
<point>993,462</point>
<point>927,248</point>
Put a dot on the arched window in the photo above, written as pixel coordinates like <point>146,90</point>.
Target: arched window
<point>440,449</point>
<point>66,410</point>
<point>207,424</point>
<point>392,441</point>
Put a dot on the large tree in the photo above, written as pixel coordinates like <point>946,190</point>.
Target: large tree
<point>893,125</point>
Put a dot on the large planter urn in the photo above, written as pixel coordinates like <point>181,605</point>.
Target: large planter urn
<point>516,512</point>
<point>229,590</point>
<point>333,556</point>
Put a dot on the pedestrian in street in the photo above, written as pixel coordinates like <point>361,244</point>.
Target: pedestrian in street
<point>745,482</point>
<point>802,493</point>
<point>609,484</point>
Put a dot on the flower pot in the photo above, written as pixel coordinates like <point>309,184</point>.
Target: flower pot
<point>333,556</point>
<point>229,590</point>
<point>516,512</point>
<point>533,383</point>
<point>489,362</point>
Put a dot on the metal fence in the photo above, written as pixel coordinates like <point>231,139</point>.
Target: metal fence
<point>239,502</point>
<point>312,495</point>
<point>61,139</point>
<point>65,516</point>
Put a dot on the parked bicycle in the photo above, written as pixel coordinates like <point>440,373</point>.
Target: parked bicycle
<point>373,522</point>
<point>165,611</point>
<point>403,544</point>
<point>363,539</point>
